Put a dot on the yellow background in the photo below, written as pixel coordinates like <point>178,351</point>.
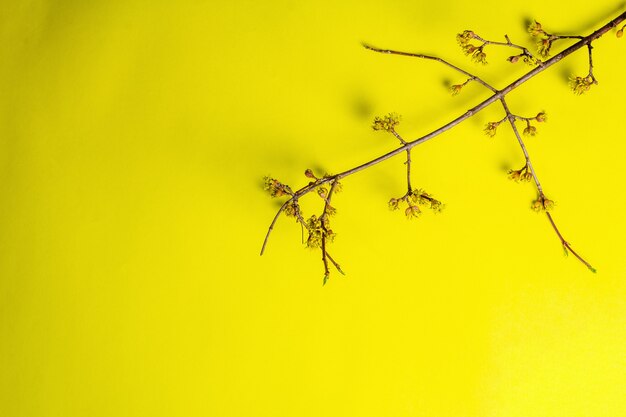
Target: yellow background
<point>133,139</point>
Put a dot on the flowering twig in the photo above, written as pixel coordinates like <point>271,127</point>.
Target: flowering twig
<point>320,234</point>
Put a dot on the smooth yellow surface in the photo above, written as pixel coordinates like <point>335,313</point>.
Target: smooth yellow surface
<point>133,139</point>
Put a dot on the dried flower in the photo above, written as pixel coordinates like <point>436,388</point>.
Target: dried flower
<point>530,130</point>
<point>393,204</point>
<point>386,123</point>
<point>490,129</point>
<point>535,29</point>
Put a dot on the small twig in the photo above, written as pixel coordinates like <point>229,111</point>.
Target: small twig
<point>325,231</point>
<point>508,43</point>
<point>590,48</point>
<point>433,58</point>
<point>567,246</point>
<point>267,235</point>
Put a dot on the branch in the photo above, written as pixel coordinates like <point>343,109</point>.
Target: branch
<point>579,85</point>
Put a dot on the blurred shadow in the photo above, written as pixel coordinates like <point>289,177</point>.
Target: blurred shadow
<point>361,107</point>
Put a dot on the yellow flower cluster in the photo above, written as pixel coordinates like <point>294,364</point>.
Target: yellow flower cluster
<point>535,29</point>
<point>386,123</point>
<point>318,229</point>
<point>464,38</point>
<point>275,187</point>
<point>580,85</point>
<point>543,47</point>
<point>523,174</point>
<point>477,53</point>
<point>530,130</point>
<point>490,128</point>
<point>544,39</point>
<point>413,200</point>
<point>292,209</point>
<point>542,204</point>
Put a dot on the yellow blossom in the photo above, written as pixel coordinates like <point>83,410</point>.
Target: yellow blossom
<point>530,130</point>
<point>412,212</point>
<point>542,204</point>
<point>456,89</point>
<point>580,85</point>
<point>490,129</point>
<point>465,37</point>
<point>535,29</point>
<point>387,123</point>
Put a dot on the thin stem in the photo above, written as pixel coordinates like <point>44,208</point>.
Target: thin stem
<point>566,245</point>
<point>408,159</point>
<point>408,171</point>
<point>267,235</point>
<point>322,221</point>
<point>590,48</point>
<point>509,44</point>
<point>433,58</point>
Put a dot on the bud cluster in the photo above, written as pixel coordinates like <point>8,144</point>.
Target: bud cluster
<point>276,188</point>
<point>476,52</point>
<point>581,85</point>
<point>544,39</point>
<point>523,174</point>
<point>386,123</point>
<point>542,204</point>
<point>413,200</point>
<point>318,228</point>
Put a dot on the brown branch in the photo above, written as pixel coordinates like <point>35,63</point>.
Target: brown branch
<point>498,95</point>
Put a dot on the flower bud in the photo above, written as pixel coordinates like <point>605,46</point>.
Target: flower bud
<point>309,173</point>
<point>541,117</point>
<point>620,33</point>
<point>513,59</point>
